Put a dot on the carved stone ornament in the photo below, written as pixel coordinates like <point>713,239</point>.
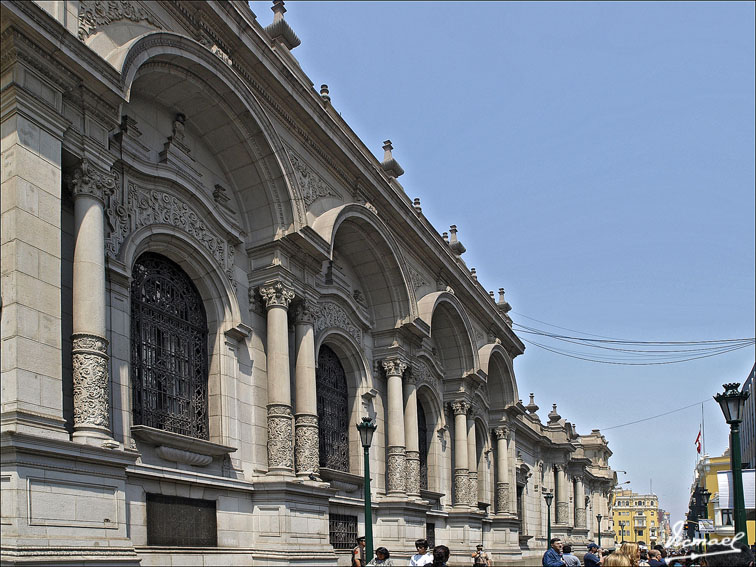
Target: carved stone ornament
<point>472,489</point>
<point>140,207</point>
<point>562,512</point>
<point>460,407</point>
<point>580,518</point>
<point>89,181</point>
<point>394,366</point>
<point>416,278</point>
<point>97,13</point>
<point>276,295</point>
<point>502,497</point>
<point>461,482</point>
<point>306,312</point>
<point>424,375</point>
<point>180,456</point>
<point>306,448</point>
<point>396,474</point>
<point>413,472</point>
<point>501,432</point>
<point>331,315</point>
<point>279,437</point>
<point>90,381</point>
<point>311,185</point>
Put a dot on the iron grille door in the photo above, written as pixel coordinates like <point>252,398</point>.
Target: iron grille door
<point>430,534</point>
<point>422,437</point>
<point>342,531</point>
<point>181,522</point>
<point>333,411</point>
<point>168,348</point>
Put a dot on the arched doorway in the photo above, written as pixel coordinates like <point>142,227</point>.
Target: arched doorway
<point>333,411</point>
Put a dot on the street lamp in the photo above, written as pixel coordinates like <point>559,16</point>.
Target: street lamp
<point>598,521</point>
<point>548,496</point>
<point>705,496</point>
<point>732,402</point>
<point>366,429</point>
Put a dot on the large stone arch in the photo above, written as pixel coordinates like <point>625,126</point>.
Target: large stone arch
<point>227,118</point>
<point>359,237</point>
<point>502,386</point>
<point>451,332</point>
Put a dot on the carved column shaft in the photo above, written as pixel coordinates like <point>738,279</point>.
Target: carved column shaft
<point>91,382</point>
<point>502,470</point>
<point>396,448</point>
<point>306,446</point>
<point>579,503</point>
<point>461,479</point>
<point>411,437</point>
<point>562,496</point>
<point>472,464</point>
<point>277,299</point>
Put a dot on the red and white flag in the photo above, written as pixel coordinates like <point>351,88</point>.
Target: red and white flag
<point>698,441</point>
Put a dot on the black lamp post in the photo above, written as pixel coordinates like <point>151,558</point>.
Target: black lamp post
<point>705,496</point>
<point>732,402</point>
<point>548,496</point>
<point>598,521</point>
<point>366,429</point>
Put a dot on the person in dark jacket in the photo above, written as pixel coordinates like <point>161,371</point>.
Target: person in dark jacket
<point>553,555</point>
<point>593,557</point>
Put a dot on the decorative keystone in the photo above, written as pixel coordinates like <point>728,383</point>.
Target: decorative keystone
<point>389,164</point>
<point>280,29</point>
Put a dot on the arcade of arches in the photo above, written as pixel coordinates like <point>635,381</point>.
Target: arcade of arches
<point>207,282</point>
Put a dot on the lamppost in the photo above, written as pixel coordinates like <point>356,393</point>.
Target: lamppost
<point>705,495</point>
<point>598,521</point>
<point>366,429</point>
<point>732,402</point>
<point>548,496</point>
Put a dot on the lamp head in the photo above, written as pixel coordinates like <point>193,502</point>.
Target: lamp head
<point>731,402</point>
<point>366,429</point>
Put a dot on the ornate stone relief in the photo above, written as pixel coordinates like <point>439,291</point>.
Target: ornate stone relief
<point>279,436</point>
<point>141,207</point>
<point>394,366</point>
<point>416,278</point>
<point>97,13</point>
<point>311,185</point>
<point>87,180</point>
<point>90,381</point>
<point>276,295</point>
<point>396,468</point>
<point>306,448</point>
<point>333,315</point>
<point>424,375</point>
<point>413,472</point>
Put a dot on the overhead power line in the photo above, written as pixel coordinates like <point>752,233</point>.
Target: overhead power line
<point>656,416</point>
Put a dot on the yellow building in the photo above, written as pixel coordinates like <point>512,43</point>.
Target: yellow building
<point>635,517</point>
<point>723,516</point>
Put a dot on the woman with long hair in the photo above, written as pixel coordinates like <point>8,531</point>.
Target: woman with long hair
<point>632,551</point>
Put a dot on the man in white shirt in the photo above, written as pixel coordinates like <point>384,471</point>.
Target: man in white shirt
<point>423,556</point>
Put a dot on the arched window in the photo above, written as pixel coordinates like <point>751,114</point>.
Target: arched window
<point>168,349</point>
<point>422,443</point>
<point>333,411</point>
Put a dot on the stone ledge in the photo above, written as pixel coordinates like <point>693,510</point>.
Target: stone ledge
<point>182,448</point>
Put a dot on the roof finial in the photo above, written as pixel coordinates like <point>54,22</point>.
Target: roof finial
<point>324,93</point>
<point>455,244</point>
<point>389,164</point>
<point>416,204</point>
<point>473,273</point>
<point>503,305</point>
<point>278,10</point>
<point>281,30</point>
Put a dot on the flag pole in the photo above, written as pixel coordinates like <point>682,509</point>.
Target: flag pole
<point>703,430</point>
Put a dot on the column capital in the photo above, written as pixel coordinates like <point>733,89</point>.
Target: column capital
<point>306,312</point>
<point>394,366</point>
<point>89,181</point>
<point>410,377</point>
<point>460,407</point>
<point>501,432</point>
<point>276,295</point>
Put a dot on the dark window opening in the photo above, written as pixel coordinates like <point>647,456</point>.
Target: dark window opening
<point>333,411</point>
<point>181,522</point>
<point>422,438</point>
<point>342,531</point>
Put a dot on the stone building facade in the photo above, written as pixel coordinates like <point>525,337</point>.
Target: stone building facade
<point>207,279</point>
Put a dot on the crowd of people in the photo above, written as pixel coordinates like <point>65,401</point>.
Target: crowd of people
<point>631,554</point>
<point>436,557</point>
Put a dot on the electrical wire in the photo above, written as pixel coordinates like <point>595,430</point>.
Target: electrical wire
<point>656,416</point>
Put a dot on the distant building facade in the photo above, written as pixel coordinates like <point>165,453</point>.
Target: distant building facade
<point>636,517</point>
<point>748,426</point>
<point>207,280</point>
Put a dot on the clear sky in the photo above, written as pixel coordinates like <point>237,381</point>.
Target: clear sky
<point>598,160</point>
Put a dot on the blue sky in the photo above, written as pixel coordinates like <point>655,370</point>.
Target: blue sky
<point>598,160</point>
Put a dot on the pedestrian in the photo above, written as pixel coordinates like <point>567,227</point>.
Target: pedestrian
<point>423,556</point>
<point>553,555</point>
<point>358,553</point>
<point>735,554</point>
<point>593,557</point>
<point>617,560</point>
<point>655,558</point>
<point>569,559</point>
<point>440,556</point>
<point>480,557</point>
<point>632,550</point>
<point>382,557</point>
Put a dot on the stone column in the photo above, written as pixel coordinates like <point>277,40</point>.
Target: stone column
<point>277,298</point>
<point>91,383</point>
<point>512,454</point>
<point>394,368</point>
<point>579,503</point>
<point>472,464</point>
<point>562,496</point>
<point>306,442</point>
<point>411,436</point>
<point>502,469</point>
<point>461,478</point>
